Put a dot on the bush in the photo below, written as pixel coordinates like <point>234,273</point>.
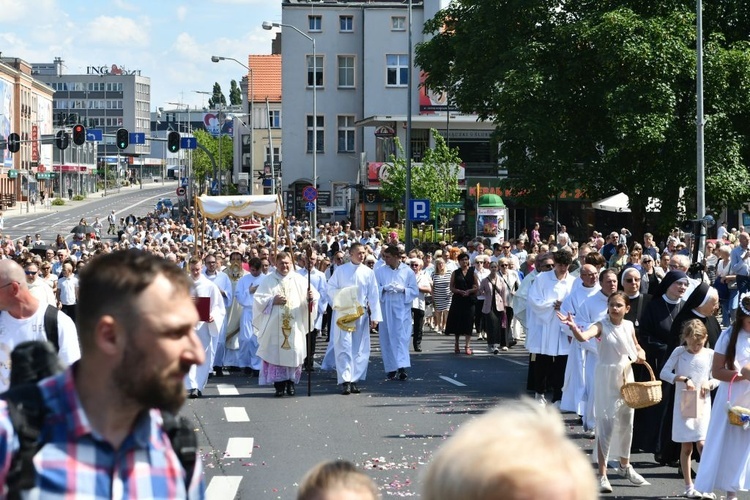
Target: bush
<point>58,202</point>
<point>79,197</point>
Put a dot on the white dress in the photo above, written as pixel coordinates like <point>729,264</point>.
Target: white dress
<point>697,367</point>
<point>725,463</point>
<point>614,419</point>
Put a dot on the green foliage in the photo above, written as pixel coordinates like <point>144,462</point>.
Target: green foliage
<point>58,202</point>
<point>202,167</point>
<point>235,93</point>
<point>79,197</point>
<point>435,178</point>
<point>217,99</point>
<point>600,95</point>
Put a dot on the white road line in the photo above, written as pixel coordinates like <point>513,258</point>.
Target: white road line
<point>223,487</point>
<point>454,382</point>
<point>236,414</point>
<point>227,390</point>
<point>239,448</point>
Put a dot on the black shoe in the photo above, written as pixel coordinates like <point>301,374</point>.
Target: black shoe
<point>391,375</point>
<point>417,348</point>
<point>192,393</point>
<point>347,388</point>
<point>200,394</point>
<point>402,374</point>
<point>247,371</point>
<point>353,387</point>
<point>218,371</point>
<point>290,388</point>
<point>279,389</point>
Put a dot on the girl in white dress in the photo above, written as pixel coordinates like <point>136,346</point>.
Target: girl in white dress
<point>618,347</point>
<point>689,367</point>
<point>725,462</point>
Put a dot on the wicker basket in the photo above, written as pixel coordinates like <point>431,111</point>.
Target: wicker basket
<point>642,394</point>
<point>737,415</point>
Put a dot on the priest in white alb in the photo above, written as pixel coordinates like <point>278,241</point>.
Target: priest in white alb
<point>284,309</point>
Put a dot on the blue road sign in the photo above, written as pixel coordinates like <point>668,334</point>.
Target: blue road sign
<point>310,206</point>
<point>309,193</point>
<point>137,138</point>
<point>188,143</point>
<point>94,135</point>
<point>184,182</point>
<point>419,210</point>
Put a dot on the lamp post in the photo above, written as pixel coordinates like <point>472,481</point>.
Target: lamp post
<point>700,124</point>
<point>267,26</point>
<point>252,117</point>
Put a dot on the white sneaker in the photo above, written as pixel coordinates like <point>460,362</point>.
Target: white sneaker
<point>631,475</point>
<point>541,399</point>
<point>691,492</point>
<point>504,348</point>
<point>604,486</point>
<point>591,434</point>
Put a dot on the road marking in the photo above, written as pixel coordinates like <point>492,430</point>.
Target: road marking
<point>223,487</point>
<point>236,414</point>
<point>239,448</point>
<point>227,390</point>
<point>454,382</point>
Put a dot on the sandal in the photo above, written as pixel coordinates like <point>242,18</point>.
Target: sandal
<point>469,351</point>
<point>456,349</point>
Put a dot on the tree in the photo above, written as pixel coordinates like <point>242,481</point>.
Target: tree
<point>203,169</point>
<point>435,179</point>
<point>235,93</point>
<point>600,95</point>
<point>217,99</point>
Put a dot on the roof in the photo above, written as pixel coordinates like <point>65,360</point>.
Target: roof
<point>266,81</point>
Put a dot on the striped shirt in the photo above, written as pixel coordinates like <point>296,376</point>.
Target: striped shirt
<point>76,460</point>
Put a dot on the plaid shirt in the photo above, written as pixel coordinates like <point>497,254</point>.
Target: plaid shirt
<point>75,459</point>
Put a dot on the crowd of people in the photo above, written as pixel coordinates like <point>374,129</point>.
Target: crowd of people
<point>591,314</point>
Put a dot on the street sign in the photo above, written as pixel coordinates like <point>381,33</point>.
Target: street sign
<point>184,182</point>
<point>94,135</point>
<point>12,174</point>
<point>309,193</point>
<point>419,210</point>
<point>310,206</point>
<point>180,191</point>
<point>137,138</point>
<point>188,143</point>
<point>449,205</point>
<point>215,187</point>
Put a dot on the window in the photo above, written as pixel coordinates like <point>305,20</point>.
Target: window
<point>274,118</point>
<point>346,134</point>
<point>276,157</point>
<point>314,23</point>
<point>398,23</point>
<point>320,142</point>
<point>315,73</point>
<point>346,24</point>
<point>346,71</point>
<point>397,69</point>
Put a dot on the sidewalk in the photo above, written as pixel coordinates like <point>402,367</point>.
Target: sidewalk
<point>24,209</point>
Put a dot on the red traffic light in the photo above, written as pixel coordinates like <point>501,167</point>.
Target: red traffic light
<point>79,135</point>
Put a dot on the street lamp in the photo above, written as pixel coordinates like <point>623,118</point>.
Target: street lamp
<point>252,117</point>
<point>267,26</point>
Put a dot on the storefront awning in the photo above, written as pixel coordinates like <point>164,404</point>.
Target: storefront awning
<point>621,203</point>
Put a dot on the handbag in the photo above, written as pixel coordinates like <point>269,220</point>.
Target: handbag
<point>737,415</point>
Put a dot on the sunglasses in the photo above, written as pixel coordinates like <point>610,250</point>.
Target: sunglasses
<point>547,266</point>
<point>632,280</point>
<point>503,265</point>
<point>30,273</point>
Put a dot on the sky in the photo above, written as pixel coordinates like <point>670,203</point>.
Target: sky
<point>170,41</point>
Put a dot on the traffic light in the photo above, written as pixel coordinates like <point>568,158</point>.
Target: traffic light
<point>14,142</point>
<point>62,139</point>
<point>79,135</point>
<point>123,138</point>
<point>173,142</point>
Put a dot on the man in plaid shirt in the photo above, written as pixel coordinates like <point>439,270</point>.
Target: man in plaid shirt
<point>103,434</point>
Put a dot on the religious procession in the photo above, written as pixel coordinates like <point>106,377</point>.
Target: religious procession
<point>596,317</point>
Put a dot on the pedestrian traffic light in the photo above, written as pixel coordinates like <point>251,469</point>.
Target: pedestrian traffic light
<point>62,139</point>
<point>173,142</point>
<point>79,135</point>
<point>14,142</point>
<point>123,138</point>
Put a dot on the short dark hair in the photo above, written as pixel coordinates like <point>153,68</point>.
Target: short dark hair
<point>562,257</point>
<point>255,263</point>
<point>392,250</point>
<point>110,283</point>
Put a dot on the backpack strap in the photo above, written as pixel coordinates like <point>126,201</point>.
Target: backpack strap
<point>27,412</point>
<point>50,326</point>
<point>184,442</point>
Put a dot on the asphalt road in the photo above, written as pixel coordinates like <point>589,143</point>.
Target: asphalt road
<point>256,446</point>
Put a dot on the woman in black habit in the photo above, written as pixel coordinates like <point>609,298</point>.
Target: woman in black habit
<point>654,335</point>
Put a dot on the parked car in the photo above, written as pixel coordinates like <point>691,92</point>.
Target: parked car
<point>164,203</point>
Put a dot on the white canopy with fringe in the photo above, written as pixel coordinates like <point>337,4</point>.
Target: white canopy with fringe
<point>218,207</point>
